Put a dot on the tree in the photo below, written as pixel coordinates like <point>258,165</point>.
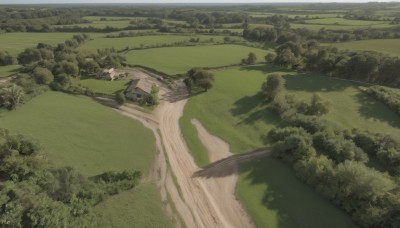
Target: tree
<point>120,97</point>
<point>90,67</point>
<point>66,67</point>
<point>30,55</point>
<point>199,78</point>
<point>270,57</point>
<point>11,96</point>
<point>252,58</point>
<point>7,59</point>
<point>318,106</point>
<point>43,76</point>
<point>272,87</point>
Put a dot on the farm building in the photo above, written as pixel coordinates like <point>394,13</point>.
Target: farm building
<point>139,89</point>
<point>107,74</point>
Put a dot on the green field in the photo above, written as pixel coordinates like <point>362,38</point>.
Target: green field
<point>234,112</point>
<point>6,71</point>
<point>94,139</point>
<point>100,24</point>
<point>104,87</point>
<point>175,60</point>
<point>16,42</point>
<point>343,21</point>
<point>338,27</point>
<point>145,41</point>
<point>388,46</point>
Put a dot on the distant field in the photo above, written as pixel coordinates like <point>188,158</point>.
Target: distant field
<point>388,46</point>
<point>75,131</point>
<point>108,88</point>
<point>18,41</point>
<point>100,24</point>
<point>237,114</point>
<point>8,70</point>
<point>343,21</point>
<point>174,60</point>
<point>136,42</point>
<point>338,27</point>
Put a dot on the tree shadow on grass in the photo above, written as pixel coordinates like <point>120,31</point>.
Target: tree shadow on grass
<point>376,110</point>
<point>296,204</point>
<point>314,83</point>
<point>247,105</point>
<point>266,69</point>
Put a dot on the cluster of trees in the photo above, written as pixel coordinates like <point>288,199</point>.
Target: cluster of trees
<point>355,65</point>
<point>333,162</point>
<point>198,78</point>
<point>20,19</point>
<point>7,59</point>
<point>385,95</point>
<point>286,105</point>
<point>35,194</point>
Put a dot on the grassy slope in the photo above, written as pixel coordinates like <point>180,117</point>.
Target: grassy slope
<point>78,132</point>
<point>233,112</point>
<point>108,88</point>
<point>388,46</point>
<point>8,70</point>
<point>15,43</point>
<point>185,58</point>
<point>136,42</point>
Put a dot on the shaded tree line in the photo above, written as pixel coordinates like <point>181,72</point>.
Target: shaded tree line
<point>386,96</point>
<point>35,194</point>
<point>354,65</point>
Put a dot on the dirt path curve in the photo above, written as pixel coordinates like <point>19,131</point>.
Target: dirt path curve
<point>204,202</point>
<point>211,201</point>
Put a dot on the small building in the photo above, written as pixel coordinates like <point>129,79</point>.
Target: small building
<point>139,89</point>
<point>107,74</point>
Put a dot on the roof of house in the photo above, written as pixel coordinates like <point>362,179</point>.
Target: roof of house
<point>142,84</point>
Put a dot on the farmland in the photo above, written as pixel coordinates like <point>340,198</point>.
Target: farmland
<point>242,121</point>
<point>330,144</point>
<point>185,58</point>
<point>387,46</point>
<point>146,41</point>
<point>15,43</point>
<point>80,144</point>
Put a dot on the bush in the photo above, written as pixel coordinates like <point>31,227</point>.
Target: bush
<point>120,97</point>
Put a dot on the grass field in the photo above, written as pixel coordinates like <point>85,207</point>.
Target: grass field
<point>16,42</point>
<point>108,88</point>
<point>6,71</point>
<point>145,41</point>
<point>93,139</point>
<point>174,60</point>
<point>343,21</point>
<point>233,111</point>
<point>388,46</point>
<point>338,27</point>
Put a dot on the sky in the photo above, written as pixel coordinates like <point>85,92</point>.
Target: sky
<point>175,1</point>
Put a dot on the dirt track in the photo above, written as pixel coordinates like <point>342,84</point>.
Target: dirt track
<point>200,201</point>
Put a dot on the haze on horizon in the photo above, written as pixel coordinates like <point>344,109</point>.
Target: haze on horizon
<point>181,1</point>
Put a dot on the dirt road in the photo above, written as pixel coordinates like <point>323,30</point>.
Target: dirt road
<point>204,202</point>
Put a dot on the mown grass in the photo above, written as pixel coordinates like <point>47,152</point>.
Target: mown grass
<point>16,42</point>
<point>6,71</point>
<point>139,208</point>
<point>268,188</point>
<point>388,46</point>
<point>175,60</point>
<point>104,87</point>
<point>77,132</point>
<point>145,41</point>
